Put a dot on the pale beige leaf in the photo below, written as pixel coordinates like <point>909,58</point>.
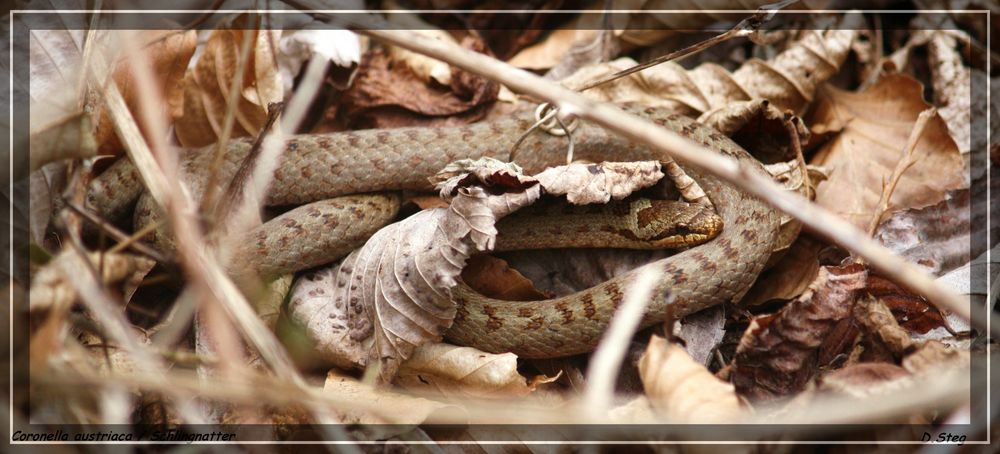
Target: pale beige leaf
<point>599,183</point>
<point>684,391</point>
<point>454,372</point>
<point>933,356</point>
<point>874,127</point>
<point>395,408</point>
<point>635,411</point>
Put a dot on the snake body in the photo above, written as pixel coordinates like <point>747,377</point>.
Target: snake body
<point>317,167</point>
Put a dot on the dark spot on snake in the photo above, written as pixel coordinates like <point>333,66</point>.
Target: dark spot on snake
<point>382,137</point>
<point>594,169</point>
<point>749,235</point>
<point>535,324</point>
<point>292,146</point>
<point>614,293</point>
<point>494,324</point>
<point>461,313</point>
<point>589,310</point>
<point>525,312</point>
<point>324,143</point>
<point>567,314</point>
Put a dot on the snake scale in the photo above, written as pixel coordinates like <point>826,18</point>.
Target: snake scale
<point>318,167</point>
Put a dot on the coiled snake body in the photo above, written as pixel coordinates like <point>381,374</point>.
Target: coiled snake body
<point>318,167</point>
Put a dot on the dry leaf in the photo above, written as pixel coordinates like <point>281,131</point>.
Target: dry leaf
<point>387,94</point>
<point>395,408</point>
<point>789,277</point>
<point>878,322</point>
<point>168,53</point>
<point>777,354</point>
<point>455,372</point>
<point>683,390</point>
<point>702,332</point>
<point>49,287</point>
<point>911,311</point>
<point>60,129</point>
<point>933,356</point>
<point>788,80</point>
<point>636,411</point>
<point>874,127</point>
<point>493,278</point>
<point>952,89</point>
<point>207,87</point>
<point>599,183</point>
<point>865,381</point>
<point>935,238</point>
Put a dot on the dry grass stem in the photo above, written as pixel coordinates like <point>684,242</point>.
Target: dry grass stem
<point>906,160</point>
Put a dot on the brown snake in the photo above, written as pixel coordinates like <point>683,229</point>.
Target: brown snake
<point>318,167</point>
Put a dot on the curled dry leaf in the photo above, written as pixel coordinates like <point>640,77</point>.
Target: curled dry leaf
<point>396,408</point>
<point>387,93</point>
<point>877,321</point>
<point>788,80</point>
<point>777,354</point>
<point>207,87</point>
<point>683,390</point>
<point>874,126</point>
<point>454,372</point>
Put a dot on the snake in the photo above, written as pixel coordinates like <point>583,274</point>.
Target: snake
<point>348,173</point>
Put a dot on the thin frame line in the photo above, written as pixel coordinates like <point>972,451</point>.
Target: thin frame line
<point>454,11</point>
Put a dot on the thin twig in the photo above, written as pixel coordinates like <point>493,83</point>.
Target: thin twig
<point>204,272</point>
<point>219,152</point>
<point>744,27</point>
<point>906,160</point>
<point>607,359</point>
<point>124,240</point>
<point>645,132</point>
